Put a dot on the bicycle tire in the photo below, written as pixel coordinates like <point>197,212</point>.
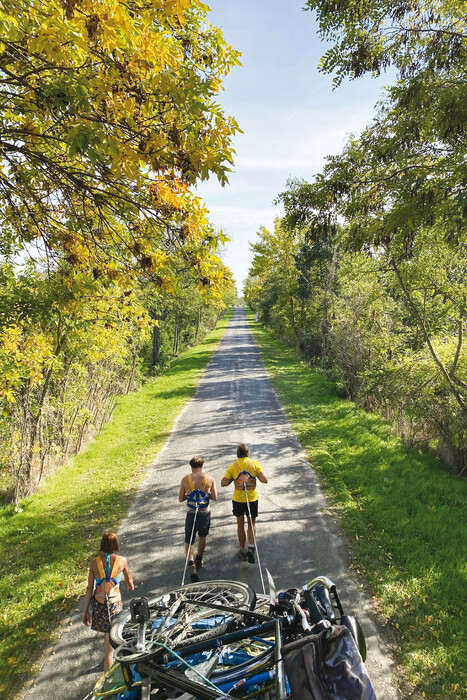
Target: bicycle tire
<point>265,659</point>
<point>262,657</point>
<point>233,593</point>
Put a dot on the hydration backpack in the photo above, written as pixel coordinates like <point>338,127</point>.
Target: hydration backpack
<point>198,498</point>
<point>108,590</point>
<point>244,480</point>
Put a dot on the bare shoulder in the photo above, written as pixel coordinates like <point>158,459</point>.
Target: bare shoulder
<point>122,564</point>
<point>93,567</point>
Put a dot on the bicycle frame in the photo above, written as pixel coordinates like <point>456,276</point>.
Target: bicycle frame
<point>148,665</point>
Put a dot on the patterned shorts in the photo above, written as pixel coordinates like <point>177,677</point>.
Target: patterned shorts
<point>100,621</point>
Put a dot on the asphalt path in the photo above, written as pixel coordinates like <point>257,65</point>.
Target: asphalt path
<point>234,403</point>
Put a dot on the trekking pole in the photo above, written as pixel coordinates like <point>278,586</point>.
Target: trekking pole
<point>189,545</point>
<point>254,536</point>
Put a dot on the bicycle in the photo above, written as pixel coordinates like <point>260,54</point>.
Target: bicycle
<point>217,639</point>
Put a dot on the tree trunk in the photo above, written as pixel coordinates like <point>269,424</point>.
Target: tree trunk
<point>19,471</point>
<point>176,336</point>
<point>293,321</point>
<point>326,320</point>
<point>198,322</point>
<point>156,345</point>
<point>133,368</point>
<point>447,377</point>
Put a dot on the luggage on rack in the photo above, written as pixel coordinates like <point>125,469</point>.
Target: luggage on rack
<point>327,666</point>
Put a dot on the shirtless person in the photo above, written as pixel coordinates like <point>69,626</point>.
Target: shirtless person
<point>197,489</point>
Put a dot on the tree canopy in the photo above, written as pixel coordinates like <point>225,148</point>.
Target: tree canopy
<point>108,116</point>
<point>368,36</point>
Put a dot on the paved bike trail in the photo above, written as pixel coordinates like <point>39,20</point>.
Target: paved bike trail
<point>234,403</point>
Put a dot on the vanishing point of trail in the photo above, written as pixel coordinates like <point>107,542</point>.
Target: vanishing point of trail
<point>234,403</point>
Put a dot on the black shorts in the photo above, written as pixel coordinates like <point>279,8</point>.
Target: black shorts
<point>203,522</point>
<point>239,509</point>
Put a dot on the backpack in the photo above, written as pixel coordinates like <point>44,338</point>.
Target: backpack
<point>108,590</point>
<point>198,498</point>
<point>326,666</point>
<point>244,479</point>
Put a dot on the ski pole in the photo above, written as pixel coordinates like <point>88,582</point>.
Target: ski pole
<point>254,536</point>
<point>189,545</point>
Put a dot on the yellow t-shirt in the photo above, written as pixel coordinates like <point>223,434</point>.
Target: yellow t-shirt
<point>250,466</point>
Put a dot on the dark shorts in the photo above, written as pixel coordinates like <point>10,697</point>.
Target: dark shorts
<point>203,522</point>
<point>239,509</point>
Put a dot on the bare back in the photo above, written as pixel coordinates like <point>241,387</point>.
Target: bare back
<point>198,478</point>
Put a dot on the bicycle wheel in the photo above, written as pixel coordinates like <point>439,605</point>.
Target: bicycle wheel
<point>176,619</point>
<point>246,657</point>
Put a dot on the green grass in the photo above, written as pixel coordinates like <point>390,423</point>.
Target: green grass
<point>403,511</point>
<point>47,543</point>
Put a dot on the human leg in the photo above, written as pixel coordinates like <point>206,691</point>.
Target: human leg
<point>203,527</point>
<point>251,530</point>
<point>109,652</point>
<point>201,547</point>
<point>239,511</point>
<point>190,536</point>
<point>241,531</point>
<point>252,514</point>
<point>251,533</point>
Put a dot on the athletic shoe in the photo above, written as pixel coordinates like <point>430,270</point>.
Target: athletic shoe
<point>242,555</point>
<point>250,555</point>
<point>198,562</point>
<point>192,571</point>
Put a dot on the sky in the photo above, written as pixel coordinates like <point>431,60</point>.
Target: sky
<point>290,116</point>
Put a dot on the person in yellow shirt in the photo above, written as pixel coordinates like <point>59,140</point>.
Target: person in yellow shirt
<point>244,473</point>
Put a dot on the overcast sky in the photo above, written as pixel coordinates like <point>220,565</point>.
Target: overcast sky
<point>289,113</point>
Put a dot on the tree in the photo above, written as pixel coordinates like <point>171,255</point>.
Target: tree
<point>371,35</point>
<point>71,350</point>
<point>406,173</point>
<point>273,267</point>
<point>290,283</point>
<point>108,117</point>
<point>408,168</point>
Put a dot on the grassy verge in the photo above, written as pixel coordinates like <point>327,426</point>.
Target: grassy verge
<point>405,514</point>
<point>46,545</point>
